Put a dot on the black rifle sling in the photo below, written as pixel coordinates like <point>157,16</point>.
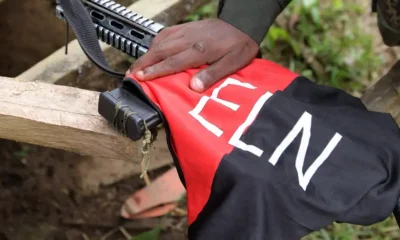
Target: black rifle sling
<point>82,25</point>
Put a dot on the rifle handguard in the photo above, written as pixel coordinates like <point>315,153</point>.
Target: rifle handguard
<point>119,27</point>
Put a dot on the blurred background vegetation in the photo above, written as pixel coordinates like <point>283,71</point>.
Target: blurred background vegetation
<point>336,43</point>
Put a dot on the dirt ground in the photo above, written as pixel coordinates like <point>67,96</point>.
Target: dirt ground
<point>39,197</point>
<point>38,189</point>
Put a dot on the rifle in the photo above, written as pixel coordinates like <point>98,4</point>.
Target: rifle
<point>129,32</point>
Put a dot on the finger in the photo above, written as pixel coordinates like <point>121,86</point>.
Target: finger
<point>230,63</point>
<point>189,58</point>
<point>164,35</point>
<point>170,37</point>
<point>168,31</point>
<point>157,54</point>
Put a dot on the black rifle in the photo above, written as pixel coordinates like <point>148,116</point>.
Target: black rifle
<point>92,20</point>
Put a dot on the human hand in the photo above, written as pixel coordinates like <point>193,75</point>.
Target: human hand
<point>213,42</point>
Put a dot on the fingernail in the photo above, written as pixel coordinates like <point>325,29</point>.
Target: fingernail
<point>198,84</point>
<point>140,75</point>
<point>128,72</point>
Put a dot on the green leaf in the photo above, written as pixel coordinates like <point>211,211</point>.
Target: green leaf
<point>191,18</point>
<point>316,16</point>
<point>309,3</point>
<point>277,33</point>
<point>338,4</point>
<point>153,234</point>
<point>208,9</point>
<point>295,47</point>
<point>307,73</point>
<point>292,65</point>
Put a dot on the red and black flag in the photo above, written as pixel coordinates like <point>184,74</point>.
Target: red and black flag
<point>268,154</point>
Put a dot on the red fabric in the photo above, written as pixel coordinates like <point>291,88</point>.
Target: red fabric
<point>199,151</point>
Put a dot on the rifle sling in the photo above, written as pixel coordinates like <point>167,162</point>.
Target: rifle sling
<point>82,25</point>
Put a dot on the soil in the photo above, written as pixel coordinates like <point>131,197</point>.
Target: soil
<point>22,40</point>
<point>39,197</point>
<point>39,189</point>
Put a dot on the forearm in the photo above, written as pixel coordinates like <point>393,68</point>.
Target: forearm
<point>253,17</point>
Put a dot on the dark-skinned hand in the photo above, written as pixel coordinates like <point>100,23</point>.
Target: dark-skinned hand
<point>211,42</point>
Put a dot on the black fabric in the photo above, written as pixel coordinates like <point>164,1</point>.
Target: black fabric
<point>83,27</point>
<point>253,17</point>
<point>358,183</point>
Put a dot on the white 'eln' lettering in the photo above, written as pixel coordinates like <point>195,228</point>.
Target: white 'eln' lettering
<point>235,139</point>
<point>214,96</point>
<point>304,123</point>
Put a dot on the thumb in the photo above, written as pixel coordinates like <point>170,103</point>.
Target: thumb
<point>196,84</point>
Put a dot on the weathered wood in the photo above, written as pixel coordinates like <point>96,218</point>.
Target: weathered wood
<point>64,118</point>
<point>66,69</point>
<point>384,96</point>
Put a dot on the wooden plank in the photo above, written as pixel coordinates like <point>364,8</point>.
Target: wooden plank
<point>64,118</point>
<point>60,68</point>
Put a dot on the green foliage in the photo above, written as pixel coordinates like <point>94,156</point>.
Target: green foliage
<point>324,43</point>
<point>382,231</point>
<point>153,234</point>
<point>207,11</point>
